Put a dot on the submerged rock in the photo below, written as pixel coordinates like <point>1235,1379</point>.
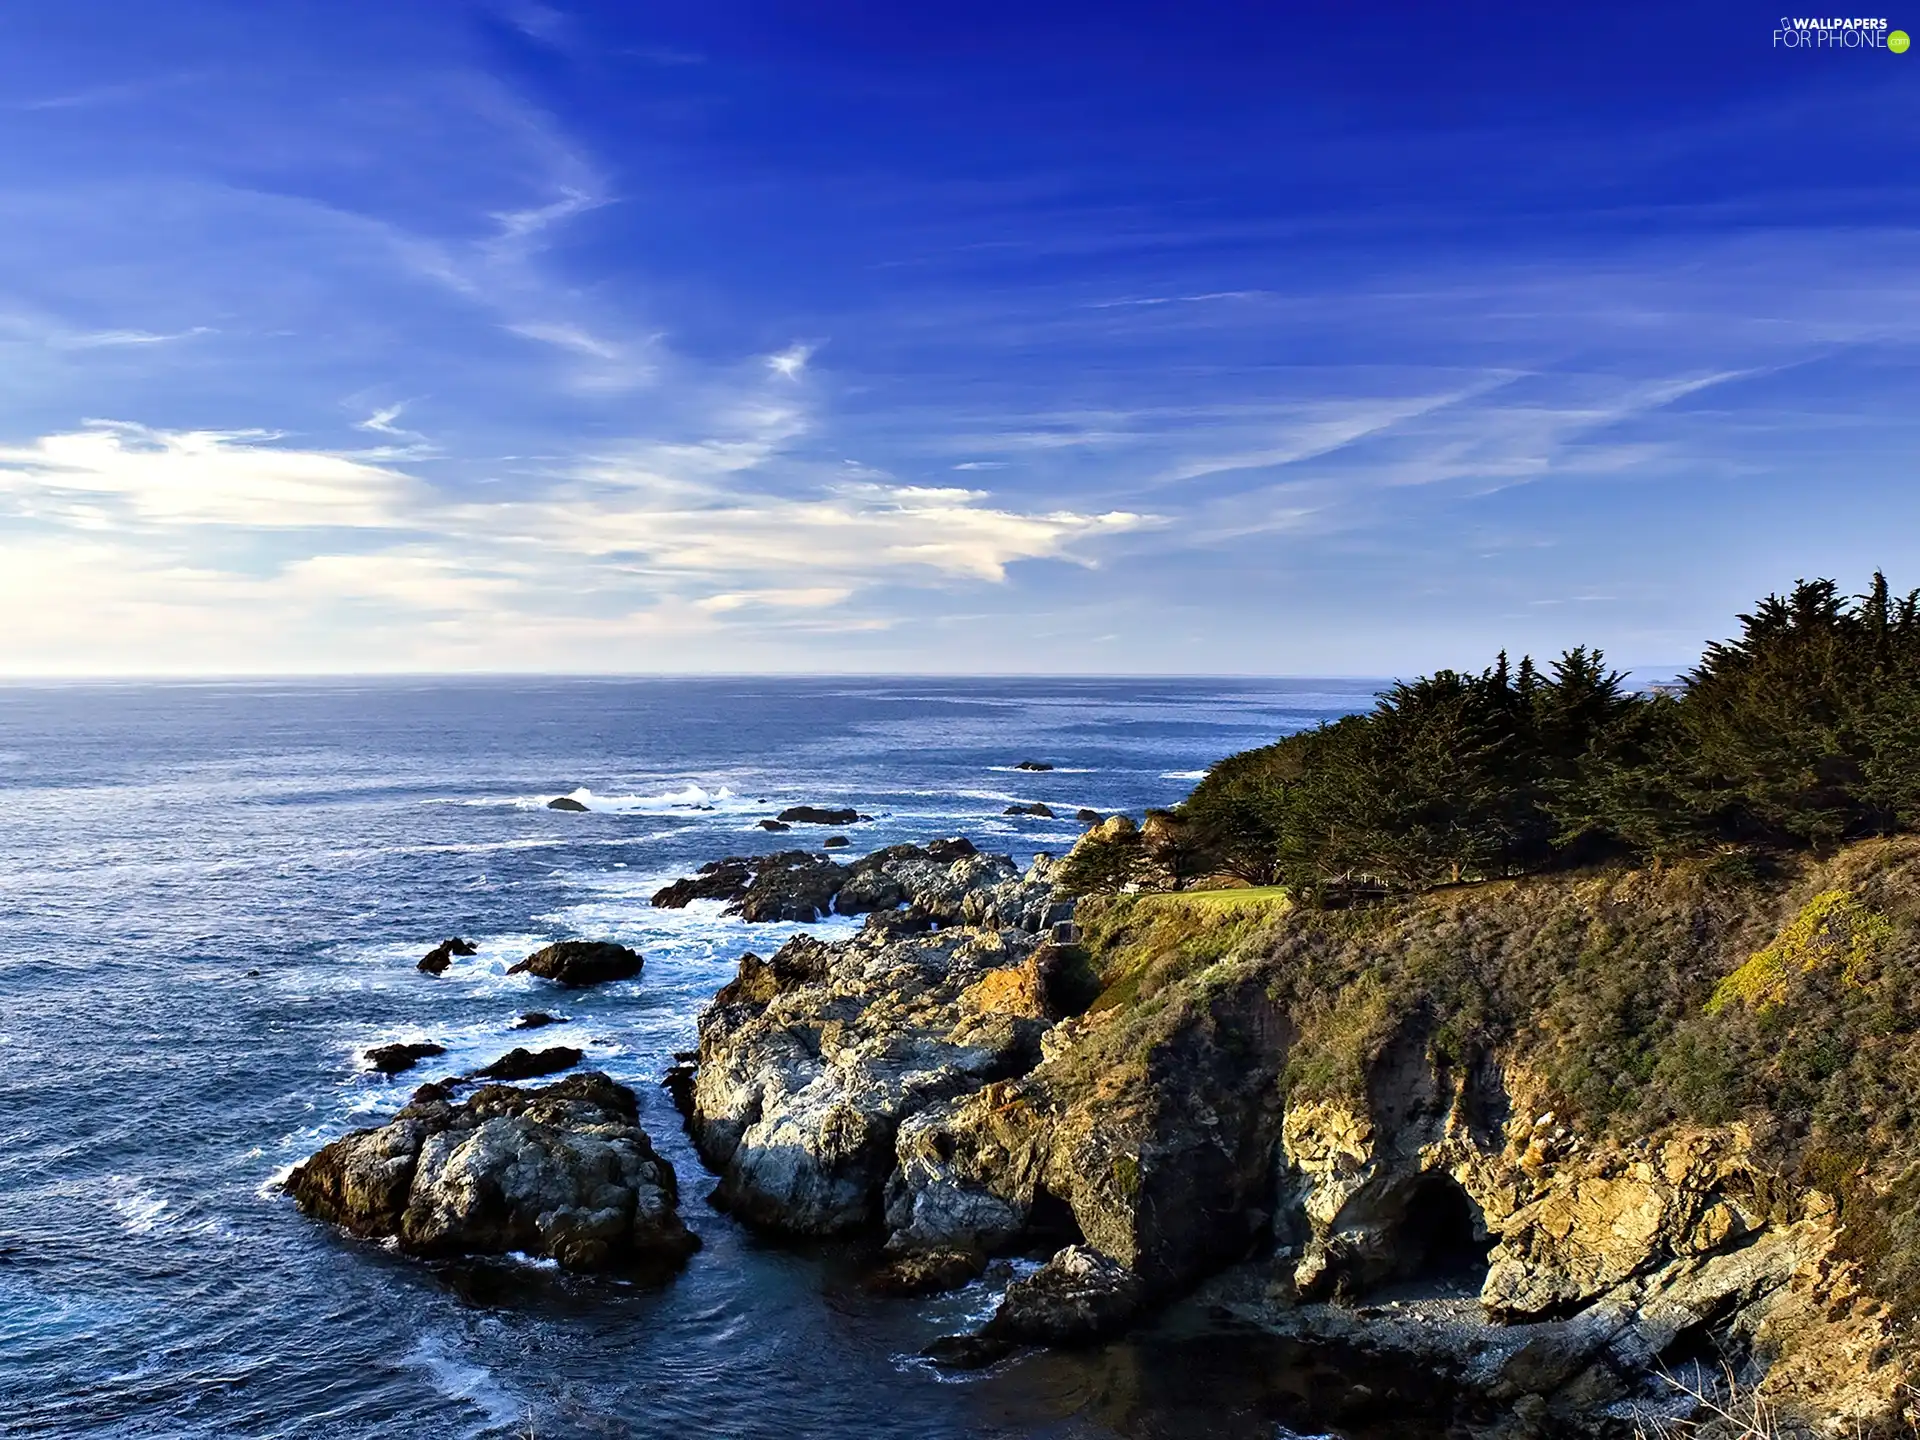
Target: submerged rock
<point>393,1059</point>
<point>1033,765</point>
<point>522,1064</point>
<point>436,960</point>
<point>534,1019</point>
<point>835,842</point>
<point>1036,809</point>
<point>775,825</point>
<point>578,963</point>
<point>566,802</point>
<point>564,1171</point>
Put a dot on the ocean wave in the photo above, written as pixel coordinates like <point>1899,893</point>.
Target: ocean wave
<point>470,1383</point>
<point>1183,774</point>
<point>689,798</point>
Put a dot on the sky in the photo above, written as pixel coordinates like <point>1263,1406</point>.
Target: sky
<point>1305,338</point>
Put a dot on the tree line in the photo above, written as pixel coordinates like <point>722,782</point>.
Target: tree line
<point>1803,731</point>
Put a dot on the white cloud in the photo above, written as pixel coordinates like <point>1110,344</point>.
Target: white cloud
<point>240,551</point>
<point>91,477</point>
<point>791,362</point>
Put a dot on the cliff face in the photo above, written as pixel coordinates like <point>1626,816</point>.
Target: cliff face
<point>1641,1119</point>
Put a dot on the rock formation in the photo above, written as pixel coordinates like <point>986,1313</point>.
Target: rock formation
<point>392,1059</point>
<point>436,960</point>
<point>818,815</point>
<point>563,1171</point>
<point>566,802</point>
<point>1241,1098</point>
<point>522,1064</point>
<point>947,881</point>
<point>578,963</point>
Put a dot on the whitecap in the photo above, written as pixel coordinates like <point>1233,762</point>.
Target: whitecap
<point>1183,774</point>
<point>463,1380</point>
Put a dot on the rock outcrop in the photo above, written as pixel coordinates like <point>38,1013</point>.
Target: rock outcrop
<point>393,1059</point>
<point>564,1171</point>
<point>947,881</point>
<point>579,963</point>
<point>818,815</point>
<point>1247,1103</point>
<point>523,1064</point>
<point>436,960</point>
<point>566,802</point>
<point>810,1061</point>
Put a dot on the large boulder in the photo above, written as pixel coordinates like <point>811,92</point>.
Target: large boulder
<point>817,815</point>
<point>393,1059</point>
<point>566,802</point>
<point>580,963</point>
<point>564,1171</point>
<point>1078,1296</point>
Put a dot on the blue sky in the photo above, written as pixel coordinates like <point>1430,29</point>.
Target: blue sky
<point>1309,338</point>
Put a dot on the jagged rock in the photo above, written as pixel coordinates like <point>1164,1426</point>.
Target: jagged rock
<point>436,960</point>
<point>816,815</point>
<point>563,1171</point>
<point>523,1064</point>
<point>1033,765</point>
<point>809,1062</point>
<point>1036,809</point>
<point>566,802</point>
<point>534,1019</point>
<point>393,1059</point>
<point>718,880</point>
<point>578,963</point>
<point>800,891</point>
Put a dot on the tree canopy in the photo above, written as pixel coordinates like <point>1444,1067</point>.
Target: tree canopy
<point>1802,731</point>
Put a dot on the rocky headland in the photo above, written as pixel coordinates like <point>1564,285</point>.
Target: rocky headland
<point>1454,1127</point>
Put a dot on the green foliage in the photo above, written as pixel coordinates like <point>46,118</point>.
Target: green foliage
<point>1803,731</point>
<point>1833,929</point>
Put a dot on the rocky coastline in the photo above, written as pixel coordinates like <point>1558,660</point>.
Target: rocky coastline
<point>1174,1098</point>
<point>989,1086</point>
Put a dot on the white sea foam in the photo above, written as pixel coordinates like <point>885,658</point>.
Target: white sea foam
<point>463,1380</point>
<point>1183,774</point>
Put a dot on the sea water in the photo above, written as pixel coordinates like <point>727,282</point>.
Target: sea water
<point>212,897</point>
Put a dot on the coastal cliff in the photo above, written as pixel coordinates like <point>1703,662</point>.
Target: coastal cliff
<point>1559,1136</point>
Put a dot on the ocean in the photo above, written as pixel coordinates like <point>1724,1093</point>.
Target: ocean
<point>212,897</point>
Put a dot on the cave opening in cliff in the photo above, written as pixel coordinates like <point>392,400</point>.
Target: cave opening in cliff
<point>1050,1220</point>
<point>1441,1235</point>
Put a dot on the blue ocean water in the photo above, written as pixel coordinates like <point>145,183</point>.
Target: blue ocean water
<point>211,900</point>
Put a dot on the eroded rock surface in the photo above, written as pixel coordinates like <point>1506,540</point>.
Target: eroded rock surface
<point>564,1171</point>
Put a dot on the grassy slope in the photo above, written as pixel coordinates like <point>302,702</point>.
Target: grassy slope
<point>1613,987</point>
